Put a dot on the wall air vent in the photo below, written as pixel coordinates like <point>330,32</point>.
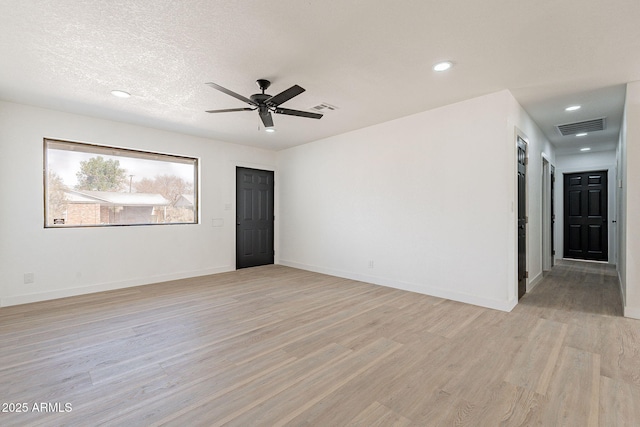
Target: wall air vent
<point>580,127</point>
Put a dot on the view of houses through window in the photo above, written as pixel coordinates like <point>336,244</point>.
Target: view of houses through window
<point>92,185</point>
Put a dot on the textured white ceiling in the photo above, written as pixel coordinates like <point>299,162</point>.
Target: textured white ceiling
<point>372,59</point>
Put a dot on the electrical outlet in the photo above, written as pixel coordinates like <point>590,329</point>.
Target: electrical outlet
<point>29,278</point>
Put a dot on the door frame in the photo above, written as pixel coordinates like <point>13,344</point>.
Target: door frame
<point>547,213</point>
<point>520,135</point>
<point>584,203</point>
<point>232,207</point>
<point>611,208</point>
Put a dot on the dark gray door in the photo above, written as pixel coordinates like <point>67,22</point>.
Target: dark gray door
<point>522,217</point>
<point>585,216</point>
<point>254,217</point>
<point>553,216</point>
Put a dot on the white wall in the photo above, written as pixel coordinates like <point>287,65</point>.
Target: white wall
<point>76,261</point>
<point>585,162</point>
<point>424,203</point>
<point>629,153</point>
<point>621,206</point>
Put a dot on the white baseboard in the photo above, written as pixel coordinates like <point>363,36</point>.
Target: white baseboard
<point>632,312</point>
<point>83,290</point>
<point>535,282</point>
<point>407,286</point>
<point>622,295</point>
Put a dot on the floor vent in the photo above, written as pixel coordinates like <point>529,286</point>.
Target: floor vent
<point>580,127</point>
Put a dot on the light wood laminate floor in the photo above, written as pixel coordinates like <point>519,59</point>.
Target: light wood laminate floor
<point>273,346</point>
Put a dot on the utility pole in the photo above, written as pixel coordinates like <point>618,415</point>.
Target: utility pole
<point>130,179</point>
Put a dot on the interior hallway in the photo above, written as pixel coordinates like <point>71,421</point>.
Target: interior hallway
<point>576,287</point>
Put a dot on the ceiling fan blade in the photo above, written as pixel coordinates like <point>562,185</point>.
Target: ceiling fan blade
<point>229,92</point>
<point>230,110</point>
<point>282,97</point>
<point>267,120</point>
<point>298,113</point>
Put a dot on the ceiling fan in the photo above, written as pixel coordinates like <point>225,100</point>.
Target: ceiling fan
<point>265,103</point>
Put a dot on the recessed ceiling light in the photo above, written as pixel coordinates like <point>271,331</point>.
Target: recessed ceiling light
<point>573,108</point>
<point>120,93</point>
<point>581,134</point>
<point>270,130</point>
<point>443,66</point>
<point>585,149</point>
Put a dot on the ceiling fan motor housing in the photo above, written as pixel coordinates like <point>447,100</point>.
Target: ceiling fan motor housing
<point>263,84</point>
<point>259,98</point>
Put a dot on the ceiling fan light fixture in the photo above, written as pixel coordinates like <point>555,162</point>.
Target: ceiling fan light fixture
<point>442,66</point>
<point>573,108</point>
<point>120,93</point>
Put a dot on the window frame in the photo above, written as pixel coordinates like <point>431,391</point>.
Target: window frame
<point>108,150</point>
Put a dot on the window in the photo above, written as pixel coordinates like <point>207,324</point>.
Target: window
<point>89,185</point>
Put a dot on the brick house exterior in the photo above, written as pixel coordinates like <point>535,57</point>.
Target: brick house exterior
<point>104,207</point>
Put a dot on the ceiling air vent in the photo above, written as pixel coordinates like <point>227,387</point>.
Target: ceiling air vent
<point>324,108</point>
<point>580,127</point>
